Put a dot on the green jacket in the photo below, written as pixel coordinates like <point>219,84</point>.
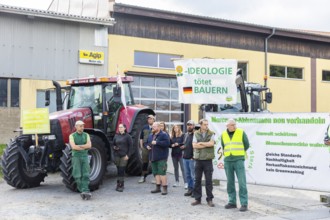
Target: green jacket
<point>204,153</point>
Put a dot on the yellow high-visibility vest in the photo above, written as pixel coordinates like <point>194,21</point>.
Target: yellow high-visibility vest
<point>235,146</point>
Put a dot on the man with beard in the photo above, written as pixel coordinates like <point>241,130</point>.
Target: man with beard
<point>158,143</point>
<point>146,131</point>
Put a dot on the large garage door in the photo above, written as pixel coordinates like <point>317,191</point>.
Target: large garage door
<point>160,94</point>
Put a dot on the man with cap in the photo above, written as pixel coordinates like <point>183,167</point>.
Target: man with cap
<point>80,143</point>
<point>188,157</point>
<point>146,131</point>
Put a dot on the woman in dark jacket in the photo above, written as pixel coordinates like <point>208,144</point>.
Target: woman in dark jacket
<point>122,145</point>
<point>176,145</point>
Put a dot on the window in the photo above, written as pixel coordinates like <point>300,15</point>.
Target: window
<point>14,92</point>
<point>286,72</point>
<point>9,91</point>
<point>160,94</point>
<point>156,60</point>
<point>3,92</point>
<point>325,75</point>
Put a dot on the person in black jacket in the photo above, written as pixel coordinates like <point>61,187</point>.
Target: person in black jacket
<point>188,157</point>
<point>122,145</point>
<point>176,143</point>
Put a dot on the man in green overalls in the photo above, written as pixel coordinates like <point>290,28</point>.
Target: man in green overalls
<point>80,143</point>
<point>235,143</point>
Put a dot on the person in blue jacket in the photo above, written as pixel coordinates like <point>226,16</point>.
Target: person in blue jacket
<point>158,143</point>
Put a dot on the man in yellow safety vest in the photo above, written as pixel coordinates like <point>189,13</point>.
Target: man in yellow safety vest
<point>235,143</point>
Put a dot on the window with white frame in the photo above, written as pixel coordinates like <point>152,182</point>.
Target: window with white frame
<point>160,94</point>
<point>155,60</point>
<point>286,72</point>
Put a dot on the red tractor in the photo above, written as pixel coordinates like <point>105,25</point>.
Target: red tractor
<point>98,102</point>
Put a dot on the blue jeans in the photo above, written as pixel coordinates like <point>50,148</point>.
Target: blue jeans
<point>189,169</point>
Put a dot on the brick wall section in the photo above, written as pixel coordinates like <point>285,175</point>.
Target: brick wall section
<point>9,121</point>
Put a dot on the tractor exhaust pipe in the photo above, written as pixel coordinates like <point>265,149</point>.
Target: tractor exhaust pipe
<point>59,105</point>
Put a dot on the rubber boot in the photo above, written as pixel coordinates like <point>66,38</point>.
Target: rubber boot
<point>164,192</point>
<point>157,190</point>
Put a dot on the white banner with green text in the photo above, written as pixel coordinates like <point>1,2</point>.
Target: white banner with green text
<point>210,81</point>
<point>286,149</point>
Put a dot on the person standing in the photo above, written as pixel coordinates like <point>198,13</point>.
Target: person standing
<point>203,144</point>
<point>158,144</point>
<point>146,131</point>
<point>235,143</point>
<point>80,143</point>
<point>188,160</point>
<point>122,145</point>
<point>176,153</point>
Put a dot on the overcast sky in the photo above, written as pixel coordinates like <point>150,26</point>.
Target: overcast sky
<point>291,14</point>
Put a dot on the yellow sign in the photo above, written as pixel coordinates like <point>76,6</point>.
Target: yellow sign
<point>36,121</point>
<point>91,57</point>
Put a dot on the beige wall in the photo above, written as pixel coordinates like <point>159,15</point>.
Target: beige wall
<point>289,95</point>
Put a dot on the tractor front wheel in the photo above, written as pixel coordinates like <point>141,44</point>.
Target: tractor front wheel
<point>97,162</point>
<point>14,168</point>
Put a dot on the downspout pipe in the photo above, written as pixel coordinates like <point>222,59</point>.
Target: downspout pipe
<point>266,56</point>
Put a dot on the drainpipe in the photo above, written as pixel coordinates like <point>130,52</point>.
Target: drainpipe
<point>266,61</point>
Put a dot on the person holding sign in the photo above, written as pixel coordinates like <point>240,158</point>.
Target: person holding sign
<point>80,143</point>
<point>203,144</point>
<point>235,143</point>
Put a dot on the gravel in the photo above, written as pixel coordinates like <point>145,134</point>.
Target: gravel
<point>53,201</point>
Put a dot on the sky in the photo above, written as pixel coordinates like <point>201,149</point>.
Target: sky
<point>290,14</point>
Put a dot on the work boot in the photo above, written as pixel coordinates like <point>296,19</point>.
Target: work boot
<point>142,179</point>
<point>86,195</point>
<point>189,193</point>
<point>210,203</point>
<point>196,202</point>
<point>118,186</point>
<point>157,190</point>
<point>243,208</point>
<point>164,190</point>
<point>230,206</point>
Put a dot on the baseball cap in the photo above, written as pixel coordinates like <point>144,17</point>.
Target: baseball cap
<point>190,122</point>
<point>79,122</point>
<point>151,116</point>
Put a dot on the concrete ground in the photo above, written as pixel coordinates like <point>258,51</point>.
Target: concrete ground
<point>53,201</point>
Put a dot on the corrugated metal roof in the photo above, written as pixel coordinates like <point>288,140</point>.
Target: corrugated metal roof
<point>54,15</point>
<point>206,20</point>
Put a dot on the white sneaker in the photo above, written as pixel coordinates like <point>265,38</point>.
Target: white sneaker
<point>176,184</point>
<point>142,179</point>
<point>186,185</point>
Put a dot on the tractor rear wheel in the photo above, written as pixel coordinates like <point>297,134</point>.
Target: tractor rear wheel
<point>98,162</point>
<point>14,167</point>
<point>134,166</point>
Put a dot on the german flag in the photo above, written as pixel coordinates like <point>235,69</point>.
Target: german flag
<point>187,90</point>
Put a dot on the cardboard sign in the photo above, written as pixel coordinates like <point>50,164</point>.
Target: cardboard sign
<point>36,121</point>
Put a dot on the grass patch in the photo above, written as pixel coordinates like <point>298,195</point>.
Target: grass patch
<point>2,148</point>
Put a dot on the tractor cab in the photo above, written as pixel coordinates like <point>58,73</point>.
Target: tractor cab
<point>102,96</point>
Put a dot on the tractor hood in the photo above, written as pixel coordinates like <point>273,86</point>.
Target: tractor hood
<point>63,122</point>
